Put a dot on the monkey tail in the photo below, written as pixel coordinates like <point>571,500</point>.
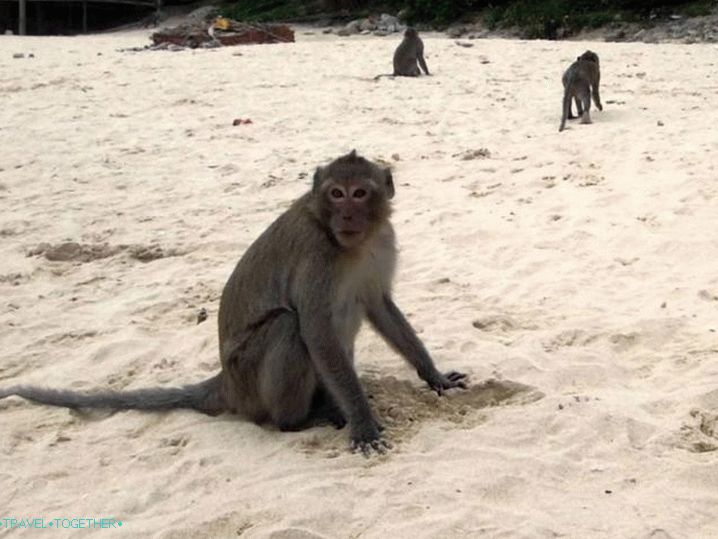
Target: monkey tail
<point>565,108</point>
<point>204,397</point>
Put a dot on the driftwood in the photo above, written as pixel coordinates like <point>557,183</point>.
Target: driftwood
<point>223,32</point>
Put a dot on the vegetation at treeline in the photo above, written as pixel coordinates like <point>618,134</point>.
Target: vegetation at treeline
<point>527,14</point>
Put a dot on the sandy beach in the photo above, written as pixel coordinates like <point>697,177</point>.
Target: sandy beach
<point>572,275</point>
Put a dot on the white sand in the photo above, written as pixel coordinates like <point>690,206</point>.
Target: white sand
<point>587,259</point>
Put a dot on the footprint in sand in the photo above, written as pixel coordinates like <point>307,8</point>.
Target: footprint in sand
<point>699,434</point>
<point>573,337</point>
<point>76,252</point>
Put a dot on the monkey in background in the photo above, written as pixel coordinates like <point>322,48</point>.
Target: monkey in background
<point>408,57</point>
<point>289,315</point>
<point>580,83</point>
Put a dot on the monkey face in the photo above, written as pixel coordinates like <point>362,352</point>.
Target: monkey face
<point>589,56</point>
<point>352,214</point>
<point>351,198</point>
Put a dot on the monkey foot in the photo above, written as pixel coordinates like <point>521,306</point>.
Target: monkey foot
<point>379,446</point>
<point>450,380</point>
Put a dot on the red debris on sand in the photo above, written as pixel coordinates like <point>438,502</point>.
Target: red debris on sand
<point>237,33</point>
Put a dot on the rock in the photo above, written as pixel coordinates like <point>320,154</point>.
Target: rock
<point>18,55</point>
<point>354,26</point>
<point>388,22</point>
<point>367,25</point>
<point>456,31</point>
<point>478,35</point>
<point>618,36</point>
<point>381,33</point>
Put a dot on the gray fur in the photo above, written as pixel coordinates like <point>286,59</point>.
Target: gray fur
<point>408,57</point>
<point>581,81</point>
<point>201,397</point>
<point>321,292</point>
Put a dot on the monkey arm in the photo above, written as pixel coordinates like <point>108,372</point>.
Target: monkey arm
<point>388,320</point>
<point>596,95</point>
<point>336,372</point>
<point>422,62</point>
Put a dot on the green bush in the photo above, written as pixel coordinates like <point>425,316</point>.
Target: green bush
<point>698,9</point>
<point>532,15</point>
<point>441,11</point>
<point>263,10</point>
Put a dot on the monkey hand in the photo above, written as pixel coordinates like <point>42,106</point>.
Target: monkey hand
<point>368,440</point>
<point>441,382</point>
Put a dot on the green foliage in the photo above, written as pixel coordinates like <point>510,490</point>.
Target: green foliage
<point>535,16</point>
<point>532,15</point>
<point>441,11</point>
<point>697,9</point>
<point>263,10</point>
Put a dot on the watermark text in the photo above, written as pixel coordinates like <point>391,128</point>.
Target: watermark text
<point>40,523</point>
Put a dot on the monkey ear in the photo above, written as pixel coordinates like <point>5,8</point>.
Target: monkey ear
<point>317,179</point>
<point>352,154</point>
<point>388,183</point>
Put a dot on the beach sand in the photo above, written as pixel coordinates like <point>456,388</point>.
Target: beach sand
<point>572,275</point>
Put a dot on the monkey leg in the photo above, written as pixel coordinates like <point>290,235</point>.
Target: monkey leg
<point>324,410</point>
<point>288,384</point>
<point>579,109</point>
<point>586,115</point>
<point>597,98</point>
<point>286,380</point>
<point>268,377</point>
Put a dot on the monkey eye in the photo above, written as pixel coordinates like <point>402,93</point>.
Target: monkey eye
<point>336,193</point>
<point>360,193</point>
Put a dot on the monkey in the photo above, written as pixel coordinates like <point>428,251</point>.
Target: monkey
<point>410,52</point>
<point>289,315</point>
<point>580,82</point>
<point>409,55</point>
<point>588,55</point>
